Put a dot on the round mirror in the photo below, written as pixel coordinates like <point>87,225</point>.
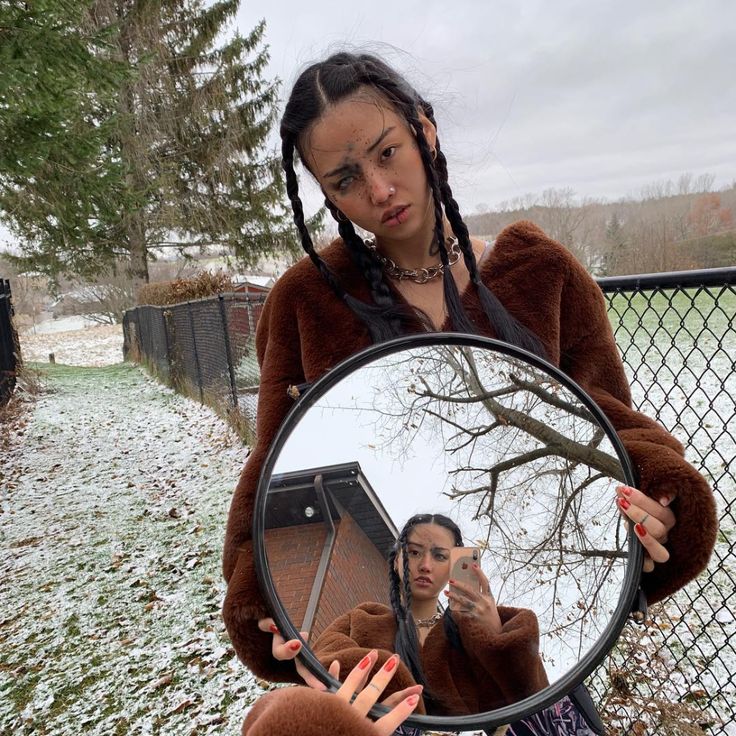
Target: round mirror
<point>523,464</point>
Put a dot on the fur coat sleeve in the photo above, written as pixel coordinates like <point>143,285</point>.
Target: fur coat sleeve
<point>300,711</point>
<point>509,659</point>
<point>589,355</point>
<point>278,349</point>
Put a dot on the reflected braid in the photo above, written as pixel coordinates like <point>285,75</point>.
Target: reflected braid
<point>406,642</point>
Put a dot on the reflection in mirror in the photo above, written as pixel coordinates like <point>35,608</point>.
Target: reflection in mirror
<point>511,456</point>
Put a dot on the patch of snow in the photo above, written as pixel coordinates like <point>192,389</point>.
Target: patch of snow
<point>95,345</point>
<point>106,624</point>
<point>63,324</point>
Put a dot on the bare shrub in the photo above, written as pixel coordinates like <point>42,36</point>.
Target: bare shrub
<point>199,286</point>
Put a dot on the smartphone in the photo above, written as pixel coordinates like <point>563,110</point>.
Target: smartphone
<point>462,560</point>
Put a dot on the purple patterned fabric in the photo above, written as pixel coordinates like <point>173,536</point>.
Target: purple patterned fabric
<point>560,719</point>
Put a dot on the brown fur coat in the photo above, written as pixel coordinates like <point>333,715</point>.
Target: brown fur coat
<point>492,670</point>
<point>305,330</point>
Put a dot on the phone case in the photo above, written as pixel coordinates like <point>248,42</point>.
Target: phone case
<point>462,560</point>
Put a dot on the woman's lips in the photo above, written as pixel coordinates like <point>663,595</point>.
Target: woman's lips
<point>395,216</point>
<point>423,581</point>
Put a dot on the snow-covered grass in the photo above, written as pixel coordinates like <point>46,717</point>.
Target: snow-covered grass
<point>114,496</point>
<point>73,341</point>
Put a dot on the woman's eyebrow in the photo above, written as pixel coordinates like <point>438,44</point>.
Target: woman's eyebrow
<point>386,131</point>
<point>422,547</point>
<point>348,167</point>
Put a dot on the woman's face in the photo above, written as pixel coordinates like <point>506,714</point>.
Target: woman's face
<point>367,161</point>
<point>428,552</point>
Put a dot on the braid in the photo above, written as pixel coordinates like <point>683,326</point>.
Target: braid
<point>508,327</point>
<point>407,105</point>
<point>292,190</point>
<point>406,642</point>
<point>372,270</point>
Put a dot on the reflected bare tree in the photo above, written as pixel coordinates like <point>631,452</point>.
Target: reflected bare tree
<point>527,466</point>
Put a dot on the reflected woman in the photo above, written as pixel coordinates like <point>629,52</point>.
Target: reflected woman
<point>473,659</point>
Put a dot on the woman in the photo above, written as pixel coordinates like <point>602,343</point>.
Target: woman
<point>475,659</point>
<point>372,144</point>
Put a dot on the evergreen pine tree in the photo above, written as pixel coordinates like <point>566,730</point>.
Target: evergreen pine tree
<point>194,122</point>
<point>61,184</point>
<point>151,134</point>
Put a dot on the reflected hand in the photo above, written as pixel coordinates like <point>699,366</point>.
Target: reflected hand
<point>285,650</point>
<point>479,603</point>
<point>652,519</point>
<point>366,695</point>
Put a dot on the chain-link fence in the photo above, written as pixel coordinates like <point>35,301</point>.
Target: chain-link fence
<point>203,348</point>
<point>676,674</point>
<point>9,350</point>
<point>677,334</point>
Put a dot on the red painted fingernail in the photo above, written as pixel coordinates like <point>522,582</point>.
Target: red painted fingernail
<point>640,530</point>
<point>626,490</point>
<point>451,581</point>
<point>273,629</point>
<point>623,503</point>
<point>294,646</point>
<point>412,700</point>
<point>475,566</point>
<point>391,663</point>
<point>364,662</point>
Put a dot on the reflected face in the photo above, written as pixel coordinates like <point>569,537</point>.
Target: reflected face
<point>428,551</point>
<point>367,161</point>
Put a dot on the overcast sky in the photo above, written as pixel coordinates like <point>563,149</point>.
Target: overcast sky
<point>602,97</point>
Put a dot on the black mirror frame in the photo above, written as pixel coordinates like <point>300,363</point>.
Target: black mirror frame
<point>523,708</point>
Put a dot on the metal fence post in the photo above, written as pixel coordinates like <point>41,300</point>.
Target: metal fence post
<point>196,354</point>
<point>165,313</point>
<point>228,350</point>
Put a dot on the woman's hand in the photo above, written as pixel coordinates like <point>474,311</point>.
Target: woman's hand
<point>366,695</point>
<point>285,650</point>
<point>653,521</point>
<point>479,604</point>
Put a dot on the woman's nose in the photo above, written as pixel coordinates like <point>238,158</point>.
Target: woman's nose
<point>425,563</point>
<point>380,190</point>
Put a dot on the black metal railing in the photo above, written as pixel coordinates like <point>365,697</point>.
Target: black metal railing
<point>204,348</point>
<point>9,349</point>
<point>677,335</point>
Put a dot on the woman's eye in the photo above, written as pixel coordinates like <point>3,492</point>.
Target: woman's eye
<point>388,152</point>
<point>344,183</point>
<point>441,557</point>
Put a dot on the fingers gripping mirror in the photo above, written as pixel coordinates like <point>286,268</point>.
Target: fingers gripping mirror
<point>428,443</point>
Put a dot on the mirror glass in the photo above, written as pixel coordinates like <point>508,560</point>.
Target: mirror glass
<point>514,455</point>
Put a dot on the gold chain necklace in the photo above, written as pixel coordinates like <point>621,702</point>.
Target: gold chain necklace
<point>417,275</point>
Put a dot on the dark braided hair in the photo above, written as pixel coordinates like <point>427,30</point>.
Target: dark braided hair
<point>329,82</point>
<point>406,642</point>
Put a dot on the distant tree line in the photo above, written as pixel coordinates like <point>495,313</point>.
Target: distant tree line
<point>672,226</point>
